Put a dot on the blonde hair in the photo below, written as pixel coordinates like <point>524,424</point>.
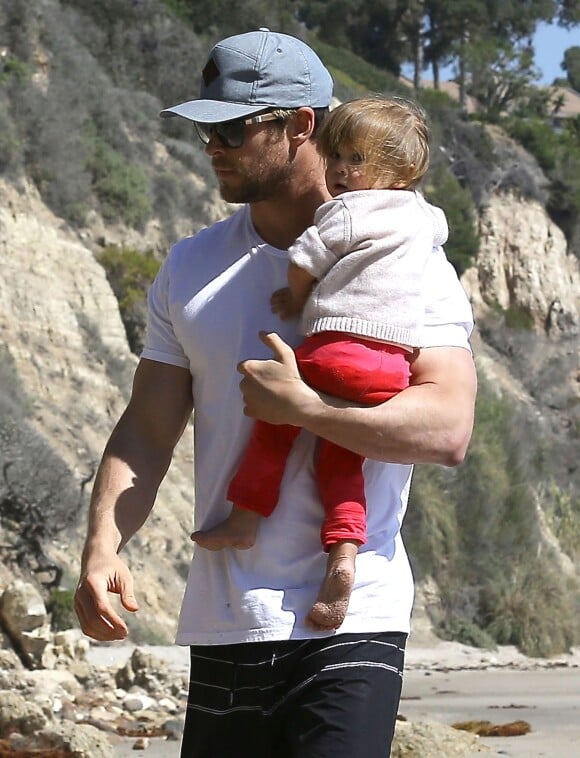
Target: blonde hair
<point>391,135</point>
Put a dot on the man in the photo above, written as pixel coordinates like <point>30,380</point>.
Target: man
<point>262,682</point>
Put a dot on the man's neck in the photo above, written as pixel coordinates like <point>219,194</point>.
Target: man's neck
<point>279,223</point>
<point>281,219</point>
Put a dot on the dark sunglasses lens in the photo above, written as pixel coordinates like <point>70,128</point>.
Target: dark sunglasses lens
<point>230,133</point>
<point>203,131</point>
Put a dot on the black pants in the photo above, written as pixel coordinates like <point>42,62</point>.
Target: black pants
<point>335,697</point>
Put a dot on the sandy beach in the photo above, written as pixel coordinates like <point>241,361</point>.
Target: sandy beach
<point>466,685</point>
<point>447,682</point>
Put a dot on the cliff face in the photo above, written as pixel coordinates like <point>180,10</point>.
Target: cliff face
<point>61,329</point>
<point>524,264</point>
<point>524,268</point>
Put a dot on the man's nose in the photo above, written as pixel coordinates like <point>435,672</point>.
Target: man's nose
<point>214,145</point>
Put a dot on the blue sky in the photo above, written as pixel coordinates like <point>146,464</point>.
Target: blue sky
<point>550,42</point>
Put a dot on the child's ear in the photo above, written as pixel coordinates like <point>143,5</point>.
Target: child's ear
<point>301,126</point>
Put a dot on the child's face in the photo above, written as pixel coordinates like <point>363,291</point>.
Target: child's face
<point>345,172</point>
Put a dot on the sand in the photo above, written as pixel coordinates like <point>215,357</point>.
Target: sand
<point>447,682</point>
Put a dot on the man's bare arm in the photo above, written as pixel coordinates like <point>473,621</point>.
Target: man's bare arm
<point>134,463</point>
<point>430,422</point>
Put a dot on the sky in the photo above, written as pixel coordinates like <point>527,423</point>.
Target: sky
<point>550,42</point>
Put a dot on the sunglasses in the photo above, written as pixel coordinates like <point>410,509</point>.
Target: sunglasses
<point>230,133</point>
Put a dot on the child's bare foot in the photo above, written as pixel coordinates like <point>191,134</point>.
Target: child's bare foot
<point>331,605</point>
<point>238,530</point>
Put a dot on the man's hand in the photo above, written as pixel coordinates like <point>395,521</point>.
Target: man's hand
<point>93,607</point>
<point>273,390</point>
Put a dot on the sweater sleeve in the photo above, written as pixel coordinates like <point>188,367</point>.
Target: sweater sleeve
<point>325,242</point>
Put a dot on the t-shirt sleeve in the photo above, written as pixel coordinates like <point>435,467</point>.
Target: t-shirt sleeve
<point>161,343</point>
<point>448,320</point>
<point>324,243</point>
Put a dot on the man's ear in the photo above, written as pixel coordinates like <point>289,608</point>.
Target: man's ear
<point>301,126</point>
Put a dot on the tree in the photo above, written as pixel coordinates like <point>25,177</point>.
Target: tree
<point>221,18</point>
<point>373,29</point>
<point>568,13</point>
<point>440,35</point>
<point>333,22</point>
<point>378,35</point>
<point>501,74</point>
<point>571,66</point>
<point>491,43</point>
<point>412,23</point>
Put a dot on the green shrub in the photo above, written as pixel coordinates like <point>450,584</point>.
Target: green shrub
<point>558,153</point>
<point>430,526</point>
<point>344,63</point>
<point>121,187</point>
<point>13,68</point>
<point>61,608</point>
<point>438,104</point>
<point>517,317</point>
<point>443,189</point>
<point>467,632</point>
<point>474,530</point>
<point>530,608</point>
<point>10,144</point>
<point>563,515</point>
<point>130,273</point>
<point>538,138</point>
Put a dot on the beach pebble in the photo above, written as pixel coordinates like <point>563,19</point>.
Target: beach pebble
<point>141,743</point>
<point>136,702</point>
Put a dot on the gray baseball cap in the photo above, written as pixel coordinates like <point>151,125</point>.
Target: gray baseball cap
<point>250,72</point>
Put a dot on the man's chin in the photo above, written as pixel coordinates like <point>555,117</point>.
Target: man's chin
<point>229,194</point>
<point>241,194</point>
<point>231,197</point>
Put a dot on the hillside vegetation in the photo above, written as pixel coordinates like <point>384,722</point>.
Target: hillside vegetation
<point>81,86</point>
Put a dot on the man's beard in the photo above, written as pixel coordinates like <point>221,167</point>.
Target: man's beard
<point>262,182</point>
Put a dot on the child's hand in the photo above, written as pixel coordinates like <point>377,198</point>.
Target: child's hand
<point>283,303</point>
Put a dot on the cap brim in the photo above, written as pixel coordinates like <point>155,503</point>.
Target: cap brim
<point>212,111</point>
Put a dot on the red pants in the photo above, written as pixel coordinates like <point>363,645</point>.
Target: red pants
<point>345,366</point>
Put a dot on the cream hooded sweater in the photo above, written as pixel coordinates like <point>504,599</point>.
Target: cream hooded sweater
<point>368,250</point>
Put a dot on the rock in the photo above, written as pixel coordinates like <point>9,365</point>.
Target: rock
<point>168,705</point>
<point>24,615</point>
<point>53,682</point>
<point>79,741</point>
<point>9,661</point>
<point>524,263</point>
<point>425,739</point>
<point>22,608</point>
<point>142,743</point>
<point>136,702</point>
<point>19,715</point>
<point>71,644</point>
<point>173,729</point>
<point>143,670</point>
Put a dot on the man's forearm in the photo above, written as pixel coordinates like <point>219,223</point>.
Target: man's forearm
<point>124,492</point>
<point>430,422</point>
<point>414,427</point>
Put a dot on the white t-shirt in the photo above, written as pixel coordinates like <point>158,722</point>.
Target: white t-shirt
<point>206,307</point>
